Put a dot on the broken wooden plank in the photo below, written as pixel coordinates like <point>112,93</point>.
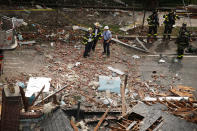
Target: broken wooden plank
<point>49,96</point>
<point>116,128</point>
<point>121,125</point>
<point>179,104</point>
<point>131,125</point>
<point>102,118</point>
<point>123,96</point>
<point>186,88</point>
<point>120,42</point>
<point>172,104</point>
<point>40,92</point>
<point>141,94</point>
<point>73,125</point>
<point>137,39</point>
<point>182,94</point>
<point>24,99</point>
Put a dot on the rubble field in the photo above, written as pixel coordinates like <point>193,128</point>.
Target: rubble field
<point>94,93</point>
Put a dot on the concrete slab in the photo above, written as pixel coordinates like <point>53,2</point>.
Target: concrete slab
<point>181,73</point>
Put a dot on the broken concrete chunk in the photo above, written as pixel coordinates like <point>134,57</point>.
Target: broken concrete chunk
<point>135,56</point>
<point>162,60</point>
<point>80,28</point>
<point>77,64</point>
<point>129,27</point>
<point>109,101</point>
<point>94,84</point>
<point>27,42</point>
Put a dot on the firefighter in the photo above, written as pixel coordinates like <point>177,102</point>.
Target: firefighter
<point>182,41</point>
<point>87,41</point>
<point>153,23</point>
<point>107,36</point>
<point>96,34</point>
<point>169,22</point>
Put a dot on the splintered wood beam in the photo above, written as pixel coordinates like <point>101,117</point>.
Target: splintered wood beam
<point>131,125</point>
<point>25,101</point>
<point>49,96</point>
<point>116,128</point>
<point>172,104</point>
<point>38,95</point>
<point>102,118</point>
<point>179,104</point>
<point>121,125</point>
<point>123,100</point>
<point>73,125</point>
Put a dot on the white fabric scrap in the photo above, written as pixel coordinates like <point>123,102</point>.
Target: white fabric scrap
<point>35,84</point>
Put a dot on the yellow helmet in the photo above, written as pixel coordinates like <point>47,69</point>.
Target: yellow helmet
<point>96,24</point>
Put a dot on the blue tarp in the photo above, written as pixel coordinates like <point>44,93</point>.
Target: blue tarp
<point>109,83</point>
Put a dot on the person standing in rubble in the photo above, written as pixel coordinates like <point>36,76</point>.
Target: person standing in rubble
<point>96,34</point>
<point>87,41</point>
<point>1,23</point>
<point>153,23</point>
<point>169,22</point>
<point>182,41</point>
<point>107,36</point>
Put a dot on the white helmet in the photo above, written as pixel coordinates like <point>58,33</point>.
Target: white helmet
<point>89,29</point>
<point>106,27</point>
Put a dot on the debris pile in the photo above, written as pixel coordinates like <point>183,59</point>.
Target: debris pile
<point>97,93</point>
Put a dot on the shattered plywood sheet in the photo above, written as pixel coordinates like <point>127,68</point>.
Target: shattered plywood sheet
<point>152,113</point>
<point>35,84</point>
<point>109,83</point>
<point>58,121</point>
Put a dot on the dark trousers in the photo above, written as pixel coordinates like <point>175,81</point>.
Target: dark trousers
<point>87,49</point>
<point>181,49</point>
<point>152,31</point>
<point>106,47</point>
<point>167,31</point>
<point>94,44</point>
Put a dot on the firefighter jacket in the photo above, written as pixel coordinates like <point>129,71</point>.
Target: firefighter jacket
<point>88,38</point>
<point>97,33</point>
<point>153,20</point>
<point>184,36</point>
<point>170,19</point>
